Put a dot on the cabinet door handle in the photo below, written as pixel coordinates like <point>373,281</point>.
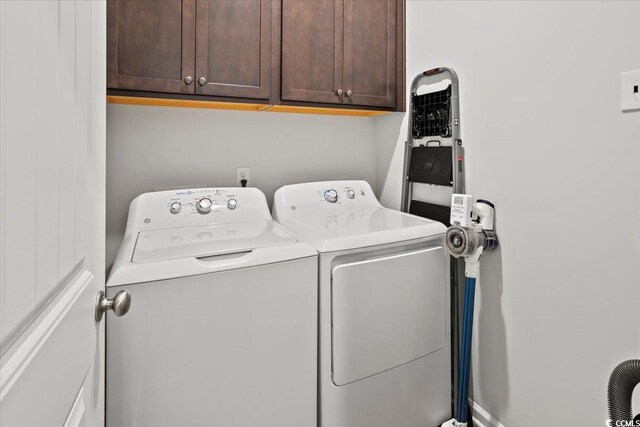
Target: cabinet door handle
<point>202,81</point>
<point>349,92</point>
<point>339,92</point>
<point>188,80</point>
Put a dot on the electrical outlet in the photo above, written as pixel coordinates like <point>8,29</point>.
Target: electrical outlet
<point>630,91</point>
<point>243,173</point>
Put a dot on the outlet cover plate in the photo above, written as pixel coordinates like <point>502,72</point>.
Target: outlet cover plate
<point>630,91</point>
<point>243,173</point>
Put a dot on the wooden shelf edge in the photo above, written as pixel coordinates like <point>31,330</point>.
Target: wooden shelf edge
<point>186,103</point>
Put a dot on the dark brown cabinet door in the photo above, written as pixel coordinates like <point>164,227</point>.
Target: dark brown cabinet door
<point>370,52</point>
<point>312,50</point>
<point>151,45</point>
<point>233,48</point>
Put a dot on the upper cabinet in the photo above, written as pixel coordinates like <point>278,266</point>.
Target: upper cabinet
<point>342,51</point>
<point>151,44</point>
<point>233,48</point>
<point>371,52</point>
<point>312,50</point>
<point>322,53</point>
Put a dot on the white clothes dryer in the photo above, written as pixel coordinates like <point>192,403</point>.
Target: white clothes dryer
<point>222,329</point>
<point>384,325</point>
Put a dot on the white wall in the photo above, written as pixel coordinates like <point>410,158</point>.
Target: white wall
<point>559,303</point>
<point>157,147</point>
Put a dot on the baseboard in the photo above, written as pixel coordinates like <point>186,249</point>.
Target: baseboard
<point>482,418</point>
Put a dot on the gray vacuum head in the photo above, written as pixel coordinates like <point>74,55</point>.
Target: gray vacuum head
<point>463,242</point>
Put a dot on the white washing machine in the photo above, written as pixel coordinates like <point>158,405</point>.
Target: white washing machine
<point>384,357</point>
<point>222,329</point>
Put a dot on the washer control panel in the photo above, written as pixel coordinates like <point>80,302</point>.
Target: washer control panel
<point>205,201</point>
<point>198,206</point>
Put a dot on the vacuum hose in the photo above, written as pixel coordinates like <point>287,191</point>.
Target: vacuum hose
<point>622,381</point>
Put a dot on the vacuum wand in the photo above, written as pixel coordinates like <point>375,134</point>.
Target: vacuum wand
<point>470,234</point>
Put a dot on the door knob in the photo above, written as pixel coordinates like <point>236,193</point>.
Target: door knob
<point>188,80</point>
<point>202,81</point>
<point>349,92</point>
<point>119,304</point>
<point>339,92</point>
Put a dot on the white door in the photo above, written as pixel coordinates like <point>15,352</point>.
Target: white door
<point>52,185</point>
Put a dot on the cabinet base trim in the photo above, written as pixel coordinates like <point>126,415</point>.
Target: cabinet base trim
<point>185,103</point>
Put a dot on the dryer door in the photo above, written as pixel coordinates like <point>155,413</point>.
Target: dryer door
<point>387,311</point>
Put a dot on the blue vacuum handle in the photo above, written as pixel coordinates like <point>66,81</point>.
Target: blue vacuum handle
<point>462,407</point>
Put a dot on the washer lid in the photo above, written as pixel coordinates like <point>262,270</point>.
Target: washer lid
<point>205,241</point>
<point>356,228</point>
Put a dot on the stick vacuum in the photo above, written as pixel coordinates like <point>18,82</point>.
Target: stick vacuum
<point>470,234</point>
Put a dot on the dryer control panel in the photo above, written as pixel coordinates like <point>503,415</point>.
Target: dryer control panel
<point>196,206</point>
<point>326,196</point>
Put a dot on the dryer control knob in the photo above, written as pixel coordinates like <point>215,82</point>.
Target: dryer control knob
<point>204,206</point>
<point>232,204</point>
<point>351,194</point>
<point>331,196</point>
<point>175,207</point>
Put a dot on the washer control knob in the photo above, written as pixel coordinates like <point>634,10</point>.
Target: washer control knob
<point>204,206</point>
<point>351,194</point>
<point>232,204</point>
<point>175,207</point>
<point>331,196</point>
